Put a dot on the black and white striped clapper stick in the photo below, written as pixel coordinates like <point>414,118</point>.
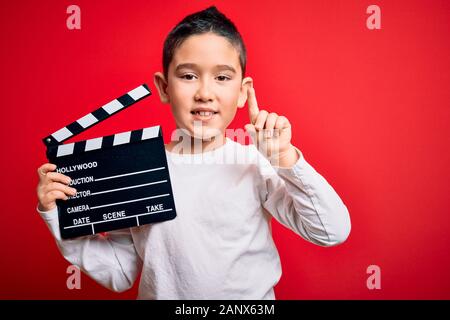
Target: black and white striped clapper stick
<point>122,180</point>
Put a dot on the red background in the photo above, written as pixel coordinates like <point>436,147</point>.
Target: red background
<point>369,110</point>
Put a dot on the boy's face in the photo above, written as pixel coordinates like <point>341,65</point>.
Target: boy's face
<point>204,85</point>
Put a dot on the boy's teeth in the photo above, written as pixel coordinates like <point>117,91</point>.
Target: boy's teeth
<point>204,113</point>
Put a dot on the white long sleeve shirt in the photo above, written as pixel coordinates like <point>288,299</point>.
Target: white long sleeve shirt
<point>220,244</point>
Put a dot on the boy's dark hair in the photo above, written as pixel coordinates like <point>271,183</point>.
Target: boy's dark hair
<point>208,20</point>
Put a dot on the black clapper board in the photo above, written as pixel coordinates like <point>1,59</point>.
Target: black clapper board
<point>122,180</point>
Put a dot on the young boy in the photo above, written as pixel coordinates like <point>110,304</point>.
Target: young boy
<point>220,245</point>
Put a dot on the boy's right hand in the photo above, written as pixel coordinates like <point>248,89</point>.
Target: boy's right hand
<point>52,185</point>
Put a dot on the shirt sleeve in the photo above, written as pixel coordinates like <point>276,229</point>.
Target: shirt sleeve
<point>110,260</point>
<point>303,201</point>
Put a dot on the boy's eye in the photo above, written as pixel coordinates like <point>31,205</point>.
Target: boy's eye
<point>223,78</point>
<point>188,76</point>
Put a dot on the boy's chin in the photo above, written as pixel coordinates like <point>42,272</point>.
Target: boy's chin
<point>202,133</point>
<point>205,133</point>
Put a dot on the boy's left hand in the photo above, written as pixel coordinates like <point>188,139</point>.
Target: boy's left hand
<point>270,133</point>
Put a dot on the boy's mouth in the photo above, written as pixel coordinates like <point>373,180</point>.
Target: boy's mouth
<point>203,114</point>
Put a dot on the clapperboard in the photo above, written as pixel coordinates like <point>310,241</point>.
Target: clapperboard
<point>122,180</point>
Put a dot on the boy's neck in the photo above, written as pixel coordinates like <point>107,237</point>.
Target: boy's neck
<point>191,145</point>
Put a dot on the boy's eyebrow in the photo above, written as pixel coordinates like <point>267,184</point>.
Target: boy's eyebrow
<point>195,66</point>
<point>225,67</point>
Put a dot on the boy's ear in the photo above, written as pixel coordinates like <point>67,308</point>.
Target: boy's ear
<point>247,82</point>
<point>161,85</point>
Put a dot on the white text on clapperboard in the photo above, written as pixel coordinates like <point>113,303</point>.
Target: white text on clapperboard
<point>87,193</point>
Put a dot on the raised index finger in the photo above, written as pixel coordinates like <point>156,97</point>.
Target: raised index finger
<point>253,109</point>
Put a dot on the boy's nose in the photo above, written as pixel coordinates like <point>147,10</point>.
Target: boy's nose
<point>204,93</point>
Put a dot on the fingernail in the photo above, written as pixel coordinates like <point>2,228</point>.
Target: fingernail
<point>74,190</point>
